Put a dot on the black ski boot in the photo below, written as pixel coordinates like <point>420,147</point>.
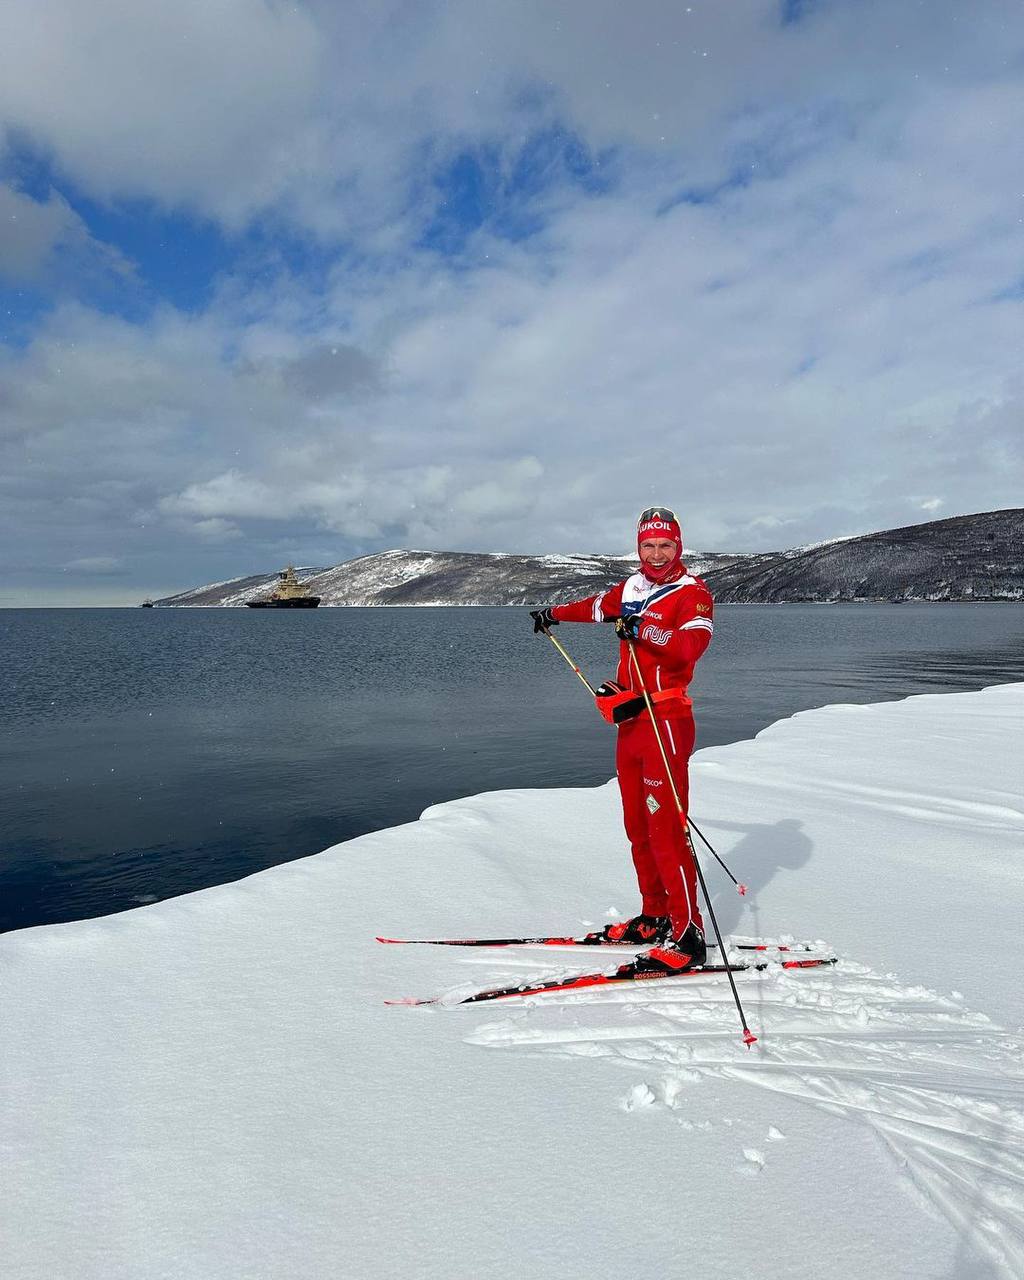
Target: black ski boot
<point>640,931</point>
<point>688,951</point>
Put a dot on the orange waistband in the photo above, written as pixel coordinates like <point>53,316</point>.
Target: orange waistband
<point>619,705</point>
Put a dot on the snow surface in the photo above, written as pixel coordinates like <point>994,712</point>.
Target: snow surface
<point>213,1088</point>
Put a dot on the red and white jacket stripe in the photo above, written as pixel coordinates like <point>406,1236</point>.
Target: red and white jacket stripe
<point>677,623</point>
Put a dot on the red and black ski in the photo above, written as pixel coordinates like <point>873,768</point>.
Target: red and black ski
<point>631,972</point>
<point>587,940</point>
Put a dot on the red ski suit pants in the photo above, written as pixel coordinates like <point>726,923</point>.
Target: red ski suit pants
<point>662,855</point>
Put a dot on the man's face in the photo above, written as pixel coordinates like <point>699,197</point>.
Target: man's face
<point>657,552</point>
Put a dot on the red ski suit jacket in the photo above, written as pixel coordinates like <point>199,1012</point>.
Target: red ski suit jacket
<point>676,627</point>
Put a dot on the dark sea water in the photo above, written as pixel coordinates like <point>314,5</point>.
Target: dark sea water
<point>148,753</point>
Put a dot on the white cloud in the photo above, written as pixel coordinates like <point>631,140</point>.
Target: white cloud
<point>39,236</point>
<point>215,529</point>
<point>231,494</point>
<point>102,565</point>
<point>189,104</point>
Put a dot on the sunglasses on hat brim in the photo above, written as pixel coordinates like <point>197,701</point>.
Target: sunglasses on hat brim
<point>656,513</point>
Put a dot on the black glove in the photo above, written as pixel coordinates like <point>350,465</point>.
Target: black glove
<point>542,619</point>
<point>627,628</point>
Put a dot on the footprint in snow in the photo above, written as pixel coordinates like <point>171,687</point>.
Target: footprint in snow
<point>639,1098</point>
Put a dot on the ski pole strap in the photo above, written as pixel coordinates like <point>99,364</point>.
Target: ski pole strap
<point>617,705</point>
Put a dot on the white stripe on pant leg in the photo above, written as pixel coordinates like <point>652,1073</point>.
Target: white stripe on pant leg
<point>682,874</point>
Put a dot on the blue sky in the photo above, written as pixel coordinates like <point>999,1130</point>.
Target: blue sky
<point>297,282</point>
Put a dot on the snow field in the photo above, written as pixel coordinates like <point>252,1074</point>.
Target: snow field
<point>940,1086</point>
<point>211,1087</point>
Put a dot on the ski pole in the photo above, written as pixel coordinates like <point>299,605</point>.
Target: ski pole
<point>748,1036</point>
<point>742,888</point>
<point>572,664</point>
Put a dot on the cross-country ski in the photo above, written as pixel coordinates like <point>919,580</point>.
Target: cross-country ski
<point>595,939</point>
<point>631,972</point>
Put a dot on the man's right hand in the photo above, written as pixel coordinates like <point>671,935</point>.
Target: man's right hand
<point>542,619</point>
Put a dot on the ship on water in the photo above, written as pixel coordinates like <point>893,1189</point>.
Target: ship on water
<point>288,594</point>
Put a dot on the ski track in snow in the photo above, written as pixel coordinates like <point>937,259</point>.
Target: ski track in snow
<point>942,1087</point>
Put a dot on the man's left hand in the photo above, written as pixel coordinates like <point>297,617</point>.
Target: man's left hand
<point>628,628</point>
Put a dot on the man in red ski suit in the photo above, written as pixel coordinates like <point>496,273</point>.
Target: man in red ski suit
<point>670,613</point>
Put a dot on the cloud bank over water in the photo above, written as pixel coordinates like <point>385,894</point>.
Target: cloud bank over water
<point>301,282</point>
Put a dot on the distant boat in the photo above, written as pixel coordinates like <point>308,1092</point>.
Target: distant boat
<point>146,604</point>
<point>288,594</point>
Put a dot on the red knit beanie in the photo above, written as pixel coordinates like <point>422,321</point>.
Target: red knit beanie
<point>661,522</point>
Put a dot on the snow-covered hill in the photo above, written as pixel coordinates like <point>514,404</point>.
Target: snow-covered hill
<point>979,557</point>
<point>211,1088</point>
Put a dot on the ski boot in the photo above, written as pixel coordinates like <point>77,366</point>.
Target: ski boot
<point>688,951</point>
<point>640,931</point>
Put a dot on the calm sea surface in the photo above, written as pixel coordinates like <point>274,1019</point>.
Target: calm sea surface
<point>148,753</point>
